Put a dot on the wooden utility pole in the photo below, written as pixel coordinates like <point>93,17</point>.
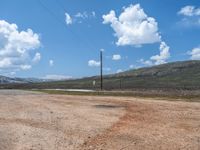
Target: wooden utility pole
<point>120,84</point>
<point>101,68</point>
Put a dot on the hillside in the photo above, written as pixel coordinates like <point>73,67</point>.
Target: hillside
<point>176,75</point>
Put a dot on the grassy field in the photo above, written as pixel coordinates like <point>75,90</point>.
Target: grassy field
<point>172,76</point>
<point>176,96</point>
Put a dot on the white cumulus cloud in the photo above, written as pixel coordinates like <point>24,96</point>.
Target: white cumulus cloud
<point>16,47</point>
<point>79,17</point>
<point>133,26</point>
<point>163,56</point>
<point>37,57</point>
<point>51,62</point>
<point>195,53</point>
<point>191,16</point>
<point>189,11</point>
<point>133,67</point>
<point>85,15</point>
<point>93,63</point>
<point>119,71</point>
<point>116,57</point>
<point>25,67</point>
<point>68,19</point>
<point>146,62</point>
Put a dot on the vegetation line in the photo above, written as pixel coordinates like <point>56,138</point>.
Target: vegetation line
<point>145,94</point>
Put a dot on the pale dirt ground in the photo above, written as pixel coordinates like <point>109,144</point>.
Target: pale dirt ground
<point>36,121</point>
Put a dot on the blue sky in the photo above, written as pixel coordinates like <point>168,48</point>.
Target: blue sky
<point>67,35</point>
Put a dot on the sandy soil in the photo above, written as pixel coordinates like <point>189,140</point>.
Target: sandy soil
<point>36,121</point>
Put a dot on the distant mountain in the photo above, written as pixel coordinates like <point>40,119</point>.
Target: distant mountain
<point>176,75</point>
<point>9,80</point>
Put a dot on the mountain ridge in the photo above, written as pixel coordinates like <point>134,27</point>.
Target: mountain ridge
<point>179,75</point>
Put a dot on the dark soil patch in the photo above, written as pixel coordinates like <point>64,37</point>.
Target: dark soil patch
<point>108,106</point>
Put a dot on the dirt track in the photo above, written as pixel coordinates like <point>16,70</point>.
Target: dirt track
<point>34,121</point>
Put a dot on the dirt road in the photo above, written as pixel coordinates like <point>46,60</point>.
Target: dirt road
<point>36,121</point>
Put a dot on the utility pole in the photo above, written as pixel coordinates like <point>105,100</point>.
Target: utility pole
<point>120,84</point>
<point>101,67</point>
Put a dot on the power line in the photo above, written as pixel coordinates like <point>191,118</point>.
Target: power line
<point>85,39</point>
<point>51,12</point>
<point>62,23</point>
<point>59,3</point>
<point>89,43</point>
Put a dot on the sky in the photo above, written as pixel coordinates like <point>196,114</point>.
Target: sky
<point>60,39</point>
